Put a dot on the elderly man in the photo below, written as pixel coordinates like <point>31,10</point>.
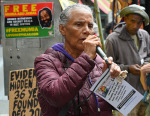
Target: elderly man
<point>130,47</point>
<point>66,72</point>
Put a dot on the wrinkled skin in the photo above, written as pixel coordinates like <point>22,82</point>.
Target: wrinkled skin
<point>78,34</point>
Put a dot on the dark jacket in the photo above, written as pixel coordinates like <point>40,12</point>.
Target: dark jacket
<point>122,48</point>
<point>58,84</point>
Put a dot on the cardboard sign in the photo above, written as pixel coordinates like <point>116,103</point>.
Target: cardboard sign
<point>23,99</point>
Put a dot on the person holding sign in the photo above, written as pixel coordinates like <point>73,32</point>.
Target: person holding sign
<point>144,72</point>
<point>66,72</point>
<point>145,80</point>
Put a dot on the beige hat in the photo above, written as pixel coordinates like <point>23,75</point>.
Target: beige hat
<point>140,10</point>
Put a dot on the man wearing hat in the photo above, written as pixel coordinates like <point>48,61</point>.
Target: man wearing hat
<point>130,48</point>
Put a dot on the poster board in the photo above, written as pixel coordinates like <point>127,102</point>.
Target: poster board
<point>23,99</point>
<point>122,96</point>
<point>28,20</point>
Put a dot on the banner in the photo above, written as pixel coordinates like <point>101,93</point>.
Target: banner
<point>65,3</point>
<point>23,99</point>
<point>104,5</point>
<point>29,20</point>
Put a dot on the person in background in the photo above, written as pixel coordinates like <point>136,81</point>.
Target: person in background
<point>109,27</point>
<point>66,72</point>
<point>145,76</point>
<point>45,17</point>
<point>130,48</point>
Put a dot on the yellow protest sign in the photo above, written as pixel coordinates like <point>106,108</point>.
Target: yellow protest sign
<point>65,3</point>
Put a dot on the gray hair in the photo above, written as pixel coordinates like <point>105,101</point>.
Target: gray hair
<point>66,15</point>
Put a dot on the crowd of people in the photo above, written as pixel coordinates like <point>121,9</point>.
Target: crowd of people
<point>66,71</point>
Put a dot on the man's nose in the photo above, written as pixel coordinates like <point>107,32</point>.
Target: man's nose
<point>44,18</point>
<point>136,26</point>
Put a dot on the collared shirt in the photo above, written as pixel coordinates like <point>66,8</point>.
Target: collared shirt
<point>136,41</point>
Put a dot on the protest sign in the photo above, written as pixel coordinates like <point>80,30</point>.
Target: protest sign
<point>29,20</point>
<point>121,96</point>
<point>23,99</point>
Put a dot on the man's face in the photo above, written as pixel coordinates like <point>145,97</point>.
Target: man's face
<point>79,26</point>
<point>45,19</point>
<point>133,23</point>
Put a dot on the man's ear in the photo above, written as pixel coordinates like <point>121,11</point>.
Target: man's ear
<point>62,29</point>
<point>125,18</point>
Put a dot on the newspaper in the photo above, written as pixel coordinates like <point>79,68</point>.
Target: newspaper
<point>121,96</point>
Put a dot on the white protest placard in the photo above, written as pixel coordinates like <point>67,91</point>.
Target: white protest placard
<point>121,96</point>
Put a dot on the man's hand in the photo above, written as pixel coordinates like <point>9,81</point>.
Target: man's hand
<point>135,69</point>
